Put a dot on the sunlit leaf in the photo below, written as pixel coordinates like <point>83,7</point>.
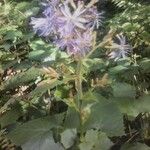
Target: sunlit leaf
<point>34,128</point>
<point>123,90</point>
<point>113,125</point>
<point>95,140</point>
<point>68,137</point>
<point>43,142</point>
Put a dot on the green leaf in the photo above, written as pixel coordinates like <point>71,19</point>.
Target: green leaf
<point>133,107</point>
<point>89,96</point>
<point>68,137</point>
<point>26,8</point>
<point>127,106</point>
<point>118,69</point>
<point>89,140</point>
<point>135,146</point>
<point>41,50</point>
<point>94,64</point>
<point>145,64</point>
<point>72,119</point>
<point>43,87</point>
<point>32,11</point>
<point>62,92</point>
<point>106,116</point>
<point>22,78</point>
<point>39,44</point>
<point>43,142</point>
<point>143,104</point>
<point>123,90</point>
<point>22,6</point>
<point>103,142</point>
<point>13,34</point>
<point>23,10</point>
<point>34,128</point>
<point>95,140</point>
<point>35,54</point>
<point>10,117</point>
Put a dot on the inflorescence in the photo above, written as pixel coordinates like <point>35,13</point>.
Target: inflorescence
<point>70,24</point>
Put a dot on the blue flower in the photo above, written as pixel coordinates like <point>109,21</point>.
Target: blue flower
<point>69,24</point>
<point>95,18</point>
<point>49,11</point>
<point>50,8</point>
<point>120,50</point>
<point>43,26</point>
<point>83,42</point>
<point>72,20</point>
<point>77,43</point>
<point>64,42</point>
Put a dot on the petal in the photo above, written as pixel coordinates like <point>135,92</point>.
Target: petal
<point>82,20</point>
<point>78,11</point>
<point>79,25</point>
<point>66,11</point>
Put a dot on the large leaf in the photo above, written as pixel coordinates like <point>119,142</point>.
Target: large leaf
<point>68,137</point>
<point>143,103</point>
<point>89,140</point>
<point>127,106</point>
<point>133,107</point>
<point>106,116</point>
<point>123,90</point>
<point>72,119</point>
<point>103,142</point>
<point>95,140</point>
<point>34,128</point>
<point>43,142</point>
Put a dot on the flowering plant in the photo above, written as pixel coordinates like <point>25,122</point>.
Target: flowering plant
<point>71,27</point>
<point>70,78</point>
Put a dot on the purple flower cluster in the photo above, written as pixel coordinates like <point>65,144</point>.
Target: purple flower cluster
<point>70,24</point>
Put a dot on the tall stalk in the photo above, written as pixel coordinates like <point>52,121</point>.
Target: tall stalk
<point>79,81</point>
<point>79,92</point>
<point>79,77</point>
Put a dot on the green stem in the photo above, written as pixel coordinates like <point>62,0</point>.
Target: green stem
<point>79,81</point>
<point>79,92</point>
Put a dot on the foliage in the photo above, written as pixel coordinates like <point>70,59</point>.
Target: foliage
<point>41,103</point>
